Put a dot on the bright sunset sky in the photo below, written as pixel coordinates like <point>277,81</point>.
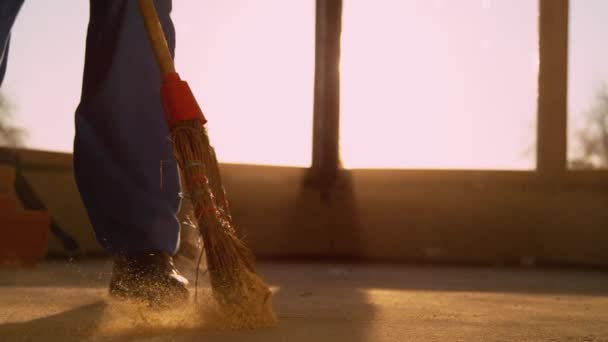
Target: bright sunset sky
<point>425,83</point>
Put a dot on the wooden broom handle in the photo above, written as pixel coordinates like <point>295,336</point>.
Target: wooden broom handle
<point>156,36</point>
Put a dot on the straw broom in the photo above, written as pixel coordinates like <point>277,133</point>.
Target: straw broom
<point>242,295</point>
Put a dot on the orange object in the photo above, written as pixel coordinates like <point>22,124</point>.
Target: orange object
<point>23,234</point>
<point>23,237</point>
<point>8,203</point>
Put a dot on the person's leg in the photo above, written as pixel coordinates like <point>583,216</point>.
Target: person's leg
<point>8,12</point>
<point>121,134</point>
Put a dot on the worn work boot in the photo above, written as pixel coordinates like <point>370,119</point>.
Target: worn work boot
<point>148,277</point>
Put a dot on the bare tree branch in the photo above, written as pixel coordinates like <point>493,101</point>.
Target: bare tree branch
<point>9,135</point>
<point>593,138</point>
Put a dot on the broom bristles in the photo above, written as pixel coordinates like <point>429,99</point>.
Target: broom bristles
<point>230,263</point>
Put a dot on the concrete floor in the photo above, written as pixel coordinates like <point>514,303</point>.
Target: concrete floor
<point>67,301</point>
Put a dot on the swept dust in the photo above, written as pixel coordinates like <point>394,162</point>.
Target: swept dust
<point>125,318</point>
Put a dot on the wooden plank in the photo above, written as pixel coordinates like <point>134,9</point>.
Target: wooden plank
<point>56,191</point>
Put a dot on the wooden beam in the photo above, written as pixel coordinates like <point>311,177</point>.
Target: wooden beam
<point>326,123</point>
<point>551,152</point>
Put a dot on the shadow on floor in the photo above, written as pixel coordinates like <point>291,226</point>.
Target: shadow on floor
<point>324,302</point>
<point>306,320</point>
<point>436,278</point>
<point>96,273</point>
<point>87,272</point>
<point>72,325</point>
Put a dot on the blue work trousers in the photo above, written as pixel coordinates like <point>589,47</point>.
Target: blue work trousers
<point>121,136</point>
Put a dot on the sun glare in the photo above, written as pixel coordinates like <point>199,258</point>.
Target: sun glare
<point>438,84</point>
<point>251,64</point>
<point>425,84</point>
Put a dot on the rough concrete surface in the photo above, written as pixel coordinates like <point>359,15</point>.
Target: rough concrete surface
<point>67,301</point>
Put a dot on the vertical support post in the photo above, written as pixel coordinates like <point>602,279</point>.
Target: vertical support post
<point>326,124</point>
<point>551,152</point>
